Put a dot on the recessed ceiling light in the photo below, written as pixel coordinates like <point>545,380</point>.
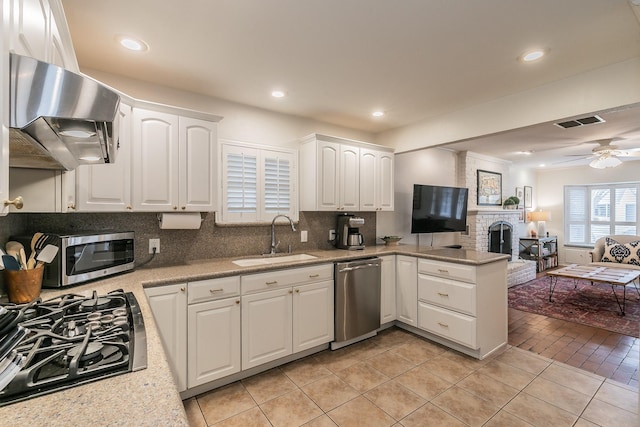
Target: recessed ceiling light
<point>377,113</point>
<point>278,94</point>
<point>133,43</point>
<point>542,165</point>
<point>526,152</point>
<point>532,55</point>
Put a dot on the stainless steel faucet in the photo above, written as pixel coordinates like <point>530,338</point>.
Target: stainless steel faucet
<point>274,245</point>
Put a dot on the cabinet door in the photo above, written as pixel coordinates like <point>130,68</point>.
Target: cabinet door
<point>169,307</point>
<point>312,315</point>
<point>388,294</point>
<point>328,179</point>
<point>266,327</point>
<point>155,156</point>
<point>107,187</point>
<point>407,289</point>
<point>369,180</point>
<point>198,165</point>
<point>214,340</point>
<point>61,50</point>
<point>30,28</point>
<point>349,188</point>
<point>385,176</point>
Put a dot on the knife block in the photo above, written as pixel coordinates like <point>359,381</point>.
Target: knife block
<point>23,285</point>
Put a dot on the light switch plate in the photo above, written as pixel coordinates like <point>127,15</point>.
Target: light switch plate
<point>303,236</point>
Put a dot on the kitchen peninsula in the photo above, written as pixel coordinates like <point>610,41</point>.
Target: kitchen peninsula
<point>150,397</point>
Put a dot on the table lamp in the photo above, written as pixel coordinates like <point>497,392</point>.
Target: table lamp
<point>540,217</point>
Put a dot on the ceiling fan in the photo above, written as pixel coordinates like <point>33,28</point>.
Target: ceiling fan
<point>606,155</point>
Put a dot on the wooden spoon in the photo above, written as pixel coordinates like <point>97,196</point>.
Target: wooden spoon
<point>31,262</point>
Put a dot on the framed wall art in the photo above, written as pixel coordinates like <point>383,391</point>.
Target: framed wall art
<point>489,188</point>
<point>528,195</point>
<point>520,196</point>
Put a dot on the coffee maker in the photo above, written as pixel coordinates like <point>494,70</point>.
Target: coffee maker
<point>348,234</point>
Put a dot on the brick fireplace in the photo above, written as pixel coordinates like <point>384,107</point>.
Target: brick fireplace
<point>479,221</point>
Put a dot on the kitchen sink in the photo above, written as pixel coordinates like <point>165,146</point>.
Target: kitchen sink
<point>272,259</point>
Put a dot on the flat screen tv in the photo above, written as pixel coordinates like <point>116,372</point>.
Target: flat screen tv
<point>439,209</point>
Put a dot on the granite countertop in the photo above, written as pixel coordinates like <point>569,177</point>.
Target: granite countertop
<point>149,397</point>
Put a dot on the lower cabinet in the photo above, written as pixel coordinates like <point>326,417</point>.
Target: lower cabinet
<point>388,289</point>
<point>169,306</point>
<point>209,331</point>
<point>295,317</point>
<point>407,290</point>
<point>213,340</point>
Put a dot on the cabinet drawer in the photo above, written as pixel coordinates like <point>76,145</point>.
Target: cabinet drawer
<point>458,296</point>
<point>449,270</point>
<point>280,278</point>
<point>448,324</point>
<point>212,289</point>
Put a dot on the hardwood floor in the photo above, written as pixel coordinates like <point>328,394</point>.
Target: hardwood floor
<point>599,351</point>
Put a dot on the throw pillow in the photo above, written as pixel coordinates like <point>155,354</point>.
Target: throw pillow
<point>624,253</point>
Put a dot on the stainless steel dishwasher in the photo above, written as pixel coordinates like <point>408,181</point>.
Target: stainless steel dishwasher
<point>357,300</point>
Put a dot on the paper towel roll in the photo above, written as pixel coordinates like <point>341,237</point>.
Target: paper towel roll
<point>180,221</point>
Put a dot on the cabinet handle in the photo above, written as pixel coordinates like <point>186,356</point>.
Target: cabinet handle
<point>290,292</point>
<point>314,275</point>
<point>129,208</point>
<point>175,208</point>
<point>18,202</point>
<point>442,270</point>
<point>184,207</point>
<point>275,282</point>
<point>182,289</point>
<point>444,325</point>
<point>297,291</point>
<point>237,301</point>
<point>72,206</point>
<point>443,295</point>
<point>213,291</point>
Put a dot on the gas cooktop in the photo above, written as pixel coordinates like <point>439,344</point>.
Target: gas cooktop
<point>74,339</point>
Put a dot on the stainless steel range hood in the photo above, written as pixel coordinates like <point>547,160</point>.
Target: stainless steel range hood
<point>59,119</point>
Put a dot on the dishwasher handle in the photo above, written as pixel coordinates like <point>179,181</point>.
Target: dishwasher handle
<point>358,267</point>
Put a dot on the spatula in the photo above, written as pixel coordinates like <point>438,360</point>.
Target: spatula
<point>46,255</point>
<point>16,250</point>
<point>10,263</point>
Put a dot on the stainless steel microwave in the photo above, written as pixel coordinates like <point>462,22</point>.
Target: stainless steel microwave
<point>86,256</point>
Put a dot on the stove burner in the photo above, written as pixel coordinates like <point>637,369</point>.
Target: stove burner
<point>75,339</point>
<point>93,350</point>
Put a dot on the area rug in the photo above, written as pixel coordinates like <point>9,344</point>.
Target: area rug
<point>592,305</point>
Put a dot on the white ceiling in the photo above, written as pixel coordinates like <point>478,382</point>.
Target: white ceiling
<point>340,60</point>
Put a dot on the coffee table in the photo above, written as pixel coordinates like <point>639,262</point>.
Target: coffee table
<point>612,276</point>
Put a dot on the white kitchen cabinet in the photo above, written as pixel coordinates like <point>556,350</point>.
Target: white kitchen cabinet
<point>169,307</point>
<point>213,330</point>
<point>107,187</point>
<point>388,289</point>
<point>344,175</point>
<point>39,29</point>
<point>175,162</point>
<point>376,180</point>
<point>267,329</point>
<point>464,304</point>
<point>407,289</point>
<point>4,110</point>
<point>294,315</point>
<point>312,315</point>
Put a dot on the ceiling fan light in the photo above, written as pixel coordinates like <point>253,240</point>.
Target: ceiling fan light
<point>605,162</point>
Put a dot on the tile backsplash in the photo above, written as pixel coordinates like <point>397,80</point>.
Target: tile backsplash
<point>181,246</point>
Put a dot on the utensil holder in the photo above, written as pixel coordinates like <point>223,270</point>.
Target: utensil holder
<point>23,285</point>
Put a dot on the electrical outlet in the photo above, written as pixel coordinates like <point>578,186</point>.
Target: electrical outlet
<point>154,243</point>
<point>332,234</point>
<point>304,236</point>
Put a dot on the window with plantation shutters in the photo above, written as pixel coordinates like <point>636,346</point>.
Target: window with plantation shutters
<point>257,183</point>
<point>594,211</point>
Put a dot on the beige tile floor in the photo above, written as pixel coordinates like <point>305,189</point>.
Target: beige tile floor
<point>400,379</point>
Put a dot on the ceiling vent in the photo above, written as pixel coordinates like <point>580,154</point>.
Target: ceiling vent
<point>580,122</point>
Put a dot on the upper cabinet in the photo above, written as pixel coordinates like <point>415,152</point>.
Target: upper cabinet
<point>38,28</point>
<point>175,160</point>
<point>344,175</point>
